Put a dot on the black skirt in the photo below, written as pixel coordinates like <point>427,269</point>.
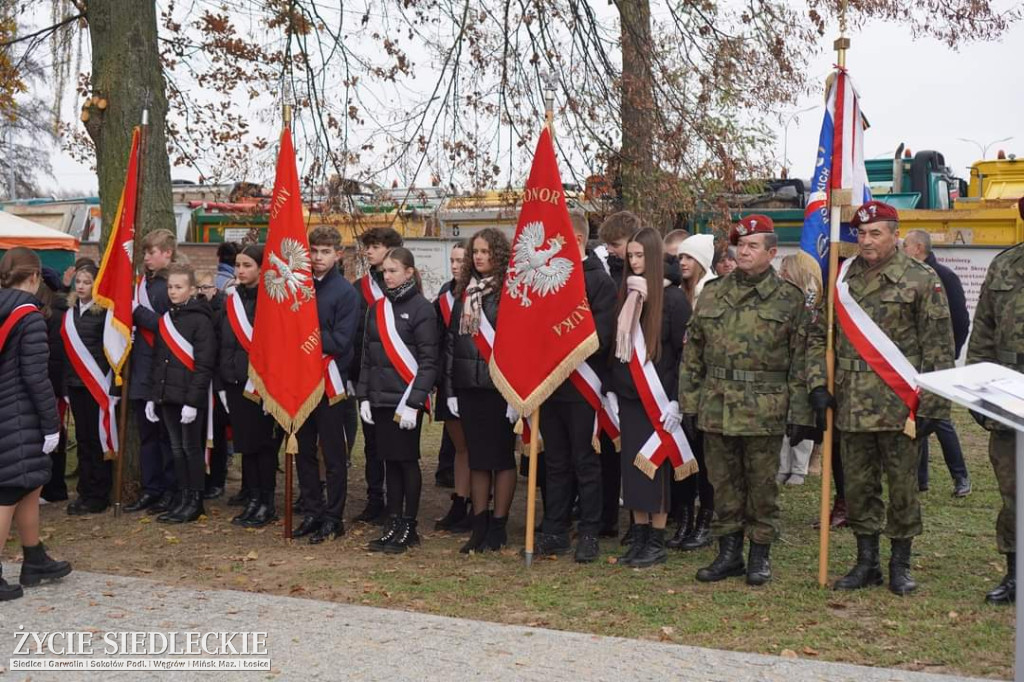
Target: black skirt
<point>393,443</point>
<point>639,492</point>
<point>489,435</point>
<point>251,429</point>
<point>10,496</point>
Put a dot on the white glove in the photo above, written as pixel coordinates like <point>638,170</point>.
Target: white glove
<point>453,406</point>
<point>408,419</point>
<point>512,414</point>
<point>611,403</point>
<point>364,412</point>
<point>188,414</point>
<point>672,417</point>
<point>51,442</point>
<point>223,395</point>
<point>151,412</point>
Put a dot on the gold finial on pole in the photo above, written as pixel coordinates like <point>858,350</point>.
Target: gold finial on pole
<point>842,43</point>
<point>549,100</point>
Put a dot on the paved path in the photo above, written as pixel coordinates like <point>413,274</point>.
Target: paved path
<point>314,640</point>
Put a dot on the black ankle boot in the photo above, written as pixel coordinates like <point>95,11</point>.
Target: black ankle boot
<point>9,591</point>
<point>265,514</point>
<point>701,535</point>
<point>191,510</point>
<point>479,536</point>
<point>390,531</point>
<point>497,535</point>
<point>250,508</point>
<point>653,552</point>
<point>900,581</point>
<point>728,563</point>
<point>683,530</point>
<point>456,513</point>
<point>167,502</point>
<point>759,565</point>
<point>178,502</point>
<point>629,535</point>
<point>1006,591</point>
<point>38,566</point>
<point>404,539</point>
<point>641,534</point>
<point>867,572</point>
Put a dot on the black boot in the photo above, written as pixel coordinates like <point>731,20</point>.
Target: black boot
<point>240,498</point>
<point>497,536</point>
<point>476,540</point>
<point>653,552</point>
<point>191,510</point>
<point>178,501</point>
<point>456,513</point>
<point>404,539</point>
<point>464,525</point>
<point>390,530</point>
<point>265,514</point>
<point>9,591</point>
<point>630,535</point>
<point>640,533</point>
<point>867,572</point>
<point>250,508</point>
<point>552,544</point>
<point>728,563</point>
<point>900,581</point>
<point>683,530</point>
<point>372,513</point>
<point>38,566</point>
<point>146,501</point>
<point>759,565</point>
<point>168,501</point>
<point>1006,591</point>
<point>701,535</point>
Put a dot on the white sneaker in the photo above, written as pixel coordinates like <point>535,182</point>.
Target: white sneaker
<point>795,479</point>
<point>780,477</point>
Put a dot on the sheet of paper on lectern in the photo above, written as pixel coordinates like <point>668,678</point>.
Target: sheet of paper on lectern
<point>1006,393</point>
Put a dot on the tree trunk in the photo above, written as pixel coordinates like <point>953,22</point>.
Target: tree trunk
<point>636,163</point>
<point>125,67</point>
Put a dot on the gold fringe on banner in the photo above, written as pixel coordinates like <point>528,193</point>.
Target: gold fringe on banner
<point>288,423</point>
<point>686,470</point>
<point>645,465</point>
<point>555,378</point>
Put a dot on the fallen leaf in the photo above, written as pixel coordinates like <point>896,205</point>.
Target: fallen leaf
<point>953,615</point>
<point>666,632</point>
<point>788,653</point>
<point>809,651</point>
<point>252,556</point>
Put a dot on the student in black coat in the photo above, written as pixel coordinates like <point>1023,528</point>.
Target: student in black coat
<point>52,294</point>
<point>392,405</point>
<point>29,430</point>
<point>217,471</point>
<point>181,387</point>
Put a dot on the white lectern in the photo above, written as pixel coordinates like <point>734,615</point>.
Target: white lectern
<point>998,393</point>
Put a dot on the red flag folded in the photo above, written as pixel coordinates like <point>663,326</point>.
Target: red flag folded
<point>114,285</point>
<point>285,355</point>
<point>545,328</point>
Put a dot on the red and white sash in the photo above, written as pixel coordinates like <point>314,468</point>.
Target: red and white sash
<point>588,384</point>
<point>398,353</point>
<point>446,301</point>
<point>875,347</point>
<point>142,299</point>
<point>662,444</point>
<point>182,349</point>
<point>97,383</point>
<point>242,328</point>
<point>334,387</point>
<point>14,318</point>
<point>371,290</point>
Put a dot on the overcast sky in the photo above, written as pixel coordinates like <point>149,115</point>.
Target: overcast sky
<point>917,92</point>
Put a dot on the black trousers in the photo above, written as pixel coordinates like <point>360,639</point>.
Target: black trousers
<point>324,427</point>
<point>188,447</point>
<point>95,475</point>
<point>156,462</point>
<point>611,483</point>
<point>374,464</point>
<point>446,455</point>
<point>572,467</point>
<point>56,489</point>
<point>219,454</point>
<point>686,492</point>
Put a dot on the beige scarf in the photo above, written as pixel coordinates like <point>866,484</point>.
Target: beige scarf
<point>629,316</point>
<point>469,323</point>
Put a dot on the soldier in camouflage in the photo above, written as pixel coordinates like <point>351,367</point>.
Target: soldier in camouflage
<point>906,300</point>
<point>998,336</point>
<point>744,375</point>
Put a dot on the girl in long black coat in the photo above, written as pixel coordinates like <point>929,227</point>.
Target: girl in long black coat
<point>381,389</point>
<point>182,393</point>
<point>29,430</point>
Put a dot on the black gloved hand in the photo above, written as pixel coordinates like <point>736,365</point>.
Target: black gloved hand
<point>821,400</point>
<point>980,418</point>
<point>925,426</point>
<point>798,433</point>
<point>690,426</point>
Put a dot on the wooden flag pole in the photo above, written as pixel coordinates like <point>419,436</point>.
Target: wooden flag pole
<point>531,486</point>
<point>289,450</point>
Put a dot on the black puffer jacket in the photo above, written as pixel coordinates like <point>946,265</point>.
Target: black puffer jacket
<point>464,368</point>
<point>357,345</point>
<point>90,330</point>
<point>233,361</point>
<point>28,410</point>
<point>58,307</point>
<point>140,386</point>
<point>673,329</point>
<point>172,381</point>
<point>379,381</point>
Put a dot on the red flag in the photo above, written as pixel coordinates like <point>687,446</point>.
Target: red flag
<point>545,328</point>
<point>285,355</point>
<point>114,285</point>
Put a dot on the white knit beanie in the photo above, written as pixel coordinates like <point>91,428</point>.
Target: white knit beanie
<point>701,248</point>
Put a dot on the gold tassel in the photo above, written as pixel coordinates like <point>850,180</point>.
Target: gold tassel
<point>910,428</point>
<point>118,381</point>
<point>292,447</point>
<point>518,428</point>
<point>645,465</point>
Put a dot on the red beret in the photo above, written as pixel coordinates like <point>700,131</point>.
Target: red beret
<point>751,224</point>
<point>874,212</point>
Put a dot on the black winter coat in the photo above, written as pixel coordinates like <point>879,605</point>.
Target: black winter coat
<point>337,304</point>
<point>464,368</point>
<point>673,330</point>
<point>379,381</point>
<point>233,360</point>
<point>58,307</point>
<point>90,330</point>
<point>958,314</point>
<point>28,410</point>
<point>357,346</point>
<point>602,297</point>
<point>140,385</point>
<point>172,381</point>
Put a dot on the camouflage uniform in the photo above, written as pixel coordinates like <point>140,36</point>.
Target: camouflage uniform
<point>906,300</point>
<point>744,376</point>
<point>998,336</point>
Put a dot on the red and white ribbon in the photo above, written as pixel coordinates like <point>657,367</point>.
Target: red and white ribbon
<point>334,387</point>
<point>16,315</point>
<point>398,353</point>
<point>446,301</point>
<point>371,290</point>
<point>242,328</point>
<point>142,299</point>
<point>96,382</point>
<point>586,381</point>
<point>182,349</point>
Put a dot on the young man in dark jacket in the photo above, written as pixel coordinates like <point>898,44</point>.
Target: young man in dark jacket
<point>337,304</point>
<point>568,429</point>
<point>156,463</point>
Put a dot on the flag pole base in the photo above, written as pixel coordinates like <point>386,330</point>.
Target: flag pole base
<point>117,510</point>
<point>529,558</point>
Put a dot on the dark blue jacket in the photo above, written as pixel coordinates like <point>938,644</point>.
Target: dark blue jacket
<point>357,357</point>
<point>958,314</point>
<point>140,386</point>
<point>337,303</point>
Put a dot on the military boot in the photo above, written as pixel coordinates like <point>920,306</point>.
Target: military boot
<point>390,531</point>
<point>728,563</point>
<point>701,535</point>
<point>38,566</point>
<point>867,572</point>
<point>900,581</point>
<point>653,552</point>
<point>640,532</point>
<point>405,538</point>
<point>683,530</point>
<point>9,591</point>
<point>1006,591</point>
<point>759,565</point>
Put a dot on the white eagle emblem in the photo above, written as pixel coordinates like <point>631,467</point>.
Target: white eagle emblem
<point>534,266</point>
<point>291,277</point>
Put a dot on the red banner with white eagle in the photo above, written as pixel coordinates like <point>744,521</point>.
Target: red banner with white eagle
<point>545,328</point>
<point>285,361</point>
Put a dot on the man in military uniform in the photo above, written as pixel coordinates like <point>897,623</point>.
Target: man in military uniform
<point>905,301</point>
<point>998,336</point>
<point>744,375</point>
